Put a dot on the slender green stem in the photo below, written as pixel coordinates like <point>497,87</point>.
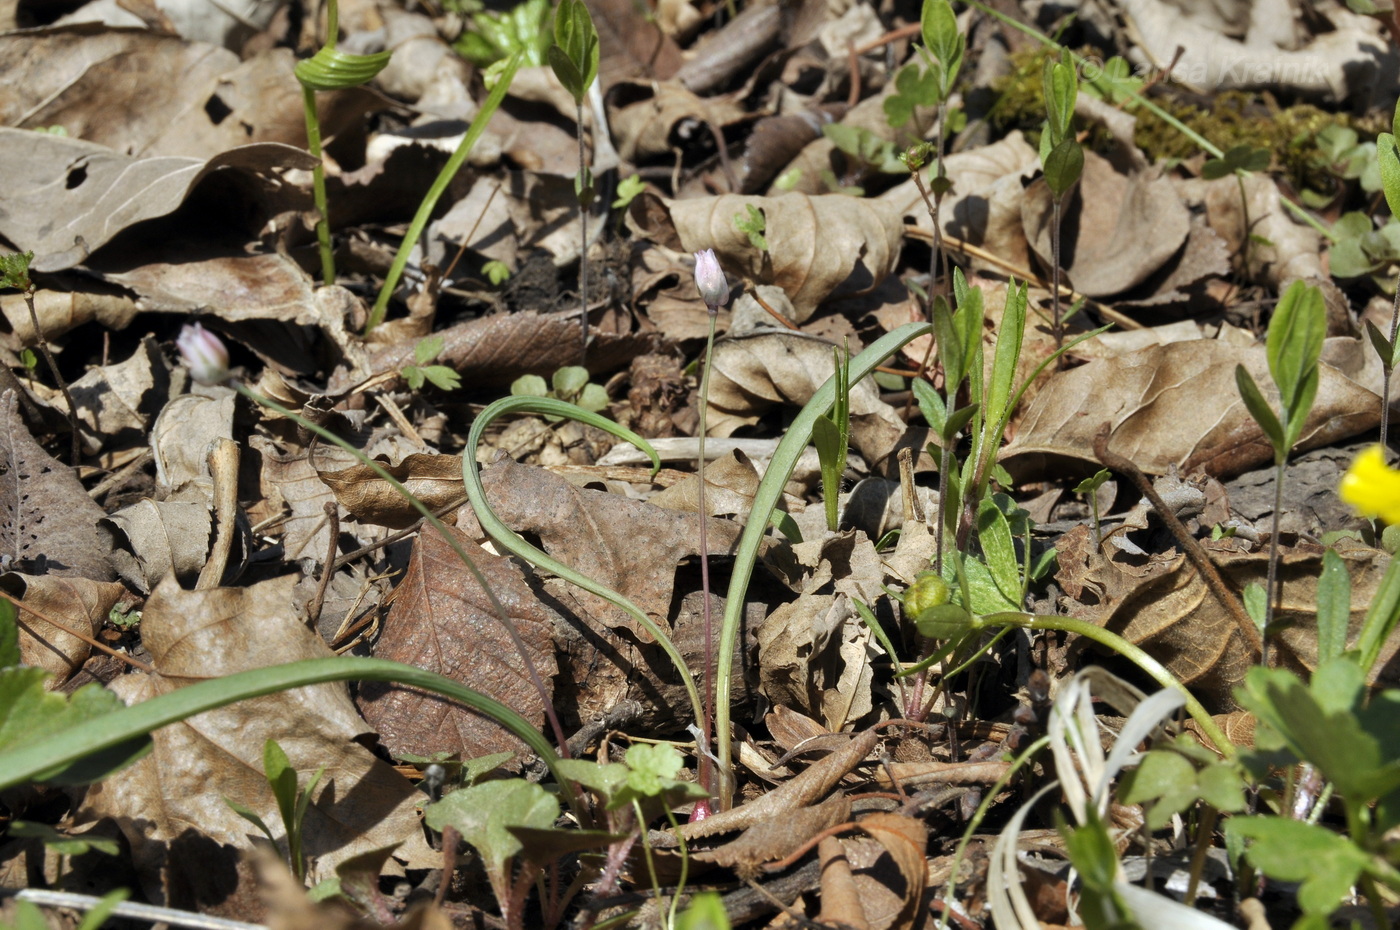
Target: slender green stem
<point>1386,369</point>
<point>511,541</point>
<point>499,609</point>
<point>765,500</point>
<point>444,178</point>
<point>1058,323</point>
<point>1273,591</point>
<point>707,724</point>
<point>318,184</point>
<point>583,237</point>
<point>1154,669</point>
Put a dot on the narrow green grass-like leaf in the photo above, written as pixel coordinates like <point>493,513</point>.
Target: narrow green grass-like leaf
<point>1381,617</point>
<point>9,632</point>
<point>65,745</point>
<point>1333,607</point>
<point>1263,414</point>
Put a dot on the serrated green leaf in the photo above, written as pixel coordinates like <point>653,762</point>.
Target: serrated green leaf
<point>1261,411</point>
<point>1221,785</point>
<point>442,377</point>
<point>1063,166</point>
<point>332,69</point>
<point>427,349</point>
<point>30,714</point>
<point>1327,864</point>
<point>1164,780</point>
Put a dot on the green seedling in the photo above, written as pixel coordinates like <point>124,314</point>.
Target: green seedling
<point>498,79</point>
<point>831,434</point>
<point>491,37</point>
<point>330,69</point>
<point>1114,83</point>
<point>1241,161</point>
<point>14,273</point>
<point>574,58</point>
<point>569,384</point>
<point>1062,160</point>
<point>915,87</point>
<point>421,372</point>
<point>497,272</point>
<point>1342,156</point>
<point>292,804</point>
<point>1388,159</point>
<point>627,191</point>
<point>752,223</point>
<point>1363,251</point>
<point>123,619</point>
<point>1089,487</point>
<point>1293,348</point>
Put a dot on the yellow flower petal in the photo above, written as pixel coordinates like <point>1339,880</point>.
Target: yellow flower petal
<point>1372,487</point>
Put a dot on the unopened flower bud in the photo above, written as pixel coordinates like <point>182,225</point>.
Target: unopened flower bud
<point>709,278</point>
<point>203,353</point>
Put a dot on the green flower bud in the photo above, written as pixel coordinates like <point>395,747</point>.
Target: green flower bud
<point>928,590</point>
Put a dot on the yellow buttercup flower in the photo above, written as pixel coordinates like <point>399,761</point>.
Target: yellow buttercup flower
<point>1372,487</point>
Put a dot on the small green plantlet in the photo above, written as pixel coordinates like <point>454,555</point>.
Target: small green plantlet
<point>28,359</point>
<point>491,37</point>
<point>420,372</point>
<point>574,58</point>
<point>330,69</point>
<point>14,270</point>
<point>123,620</point>
<point>569,384</point>
<point>753,224</point>
<point>292,803</point>
<point>496,272</point>
<point>1361,250</point>
<point>1114,83</point>
<point>831,435</point>
<point>864,147</point>
<point>1293,348</point>
<point>915,87</point>
<point>1089,487</point>
<point>627,190</point>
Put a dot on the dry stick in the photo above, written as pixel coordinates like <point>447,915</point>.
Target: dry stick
<point>313,610</point>
<point>76,449</point>
<point>223,467</point>
<point>21,608</point>
<point>1198,556</point>
<point>116,478</point>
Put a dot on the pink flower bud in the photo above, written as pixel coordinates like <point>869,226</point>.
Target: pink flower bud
<point>709,278</point>
<point>204,354</point>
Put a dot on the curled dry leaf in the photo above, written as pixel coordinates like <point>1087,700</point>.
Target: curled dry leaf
<point>441,620</point>
<point>651,121</point>
<point>818,247</point>
<point>1164,607</point>
<point>751,374</point>
<point>904,839</point>
<point>1175,404</point>
<point>436,480</point>
<point>1116,229</point>
<point>361,804</point>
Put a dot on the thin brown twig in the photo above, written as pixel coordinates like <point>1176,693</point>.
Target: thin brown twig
<point>313,610</point>
<point>76,451</point>
<point>23,608</point>
<point>401,534</point>
<point>1193,549</point>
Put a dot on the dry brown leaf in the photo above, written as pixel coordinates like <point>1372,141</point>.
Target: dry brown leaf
<point>750,374</point>
<point>802,791</point>
<point>630,46</point>
<point>46,516</point>
<point>905,839</point>
<point>818,247</point>
<point>152,539</point>
<point>193,636</point>
<point>1162,605</point>
<point>76,603</point>
<point>441,620</point>
<point>840,895</point>
<point>1116,229</point>
<point>1175,404</point>
<point>436,480</point>
<point>1282,251</point>
<point>649,121</point>
<point>778,838</point>
<point>60,312</point>
<point>66,197</point>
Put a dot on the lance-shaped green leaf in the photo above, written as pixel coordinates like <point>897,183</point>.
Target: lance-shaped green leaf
<point>1388,159</point>
<point>1293,346</point>
<point>943,40</point>
<point>1061,85</point>
<point>1063,166</point>
<point>1333,607</point>
<point>1263,414</point>
<point>574,54</point>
